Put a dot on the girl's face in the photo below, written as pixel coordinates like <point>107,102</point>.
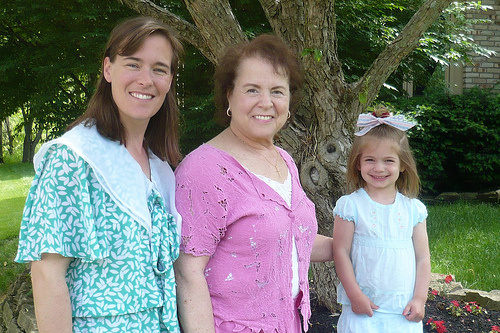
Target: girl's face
<point>380,165</point>
<point>260,100</point>
<point>141,81</point>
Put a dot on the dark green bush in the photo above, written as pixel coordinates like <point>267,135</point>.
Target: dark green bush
<point>457,140</point>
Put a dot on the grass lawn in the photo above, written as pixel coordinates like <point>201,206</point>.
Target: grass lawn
<point>464,240</point>
<point>15,180</point>
<point>463,237</point>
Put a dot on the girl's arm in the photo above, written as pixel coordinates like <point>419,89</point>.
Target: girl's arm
<point>343,231</point>
<point>193,298</point>
<point>322,249</point>
<point>50,293</point>
<point>415,309</point>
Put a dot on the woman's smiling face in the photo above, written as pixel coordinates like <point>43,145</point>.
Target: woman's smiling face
<point>141,81</point>
<point>260,100</point>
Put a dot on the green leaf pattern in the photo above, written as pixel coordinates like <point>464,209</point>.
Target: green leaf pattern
<point>120,279</point>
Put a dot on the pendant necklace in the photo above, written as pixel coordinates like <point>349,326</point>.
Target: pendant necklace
<point>275,164</point>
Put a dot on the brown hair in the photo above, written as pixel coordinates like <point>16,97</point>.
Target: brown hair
<point>408,182</point>
<point>269,47</point>
<point>161,135</point>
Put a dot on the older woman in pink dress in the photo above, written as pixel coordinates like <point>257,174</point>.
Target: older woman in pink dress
<point>249,231</point>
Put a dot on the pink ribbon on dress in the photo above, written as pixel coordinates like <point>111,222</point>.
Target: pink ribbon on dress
<point>367,121</point>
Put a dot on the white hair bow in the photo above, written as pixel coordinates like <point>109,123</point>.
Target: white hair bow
<point>367,121</point>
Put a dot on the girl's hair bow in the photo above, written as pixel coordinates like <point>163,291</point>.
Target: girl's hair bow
<point>367,121</point>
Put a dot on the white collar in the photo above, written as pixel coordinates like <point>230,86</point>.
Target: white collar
<point>118,172</point>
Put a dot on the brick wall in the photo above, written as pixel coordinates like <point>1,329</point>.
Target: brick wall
<point>484,72</point>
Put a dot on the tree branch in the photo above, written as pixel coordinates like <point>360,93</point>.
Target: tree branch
<point>389,60</point>
<point>216,23</point>
<point>185,30</point>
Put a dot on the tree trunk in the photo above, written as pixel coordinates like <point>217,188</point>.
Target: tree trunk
<point>29,145</point>
<point>1,142</point>
<point>320,136</point>
<point>28,128</point>
<point>10,137</point>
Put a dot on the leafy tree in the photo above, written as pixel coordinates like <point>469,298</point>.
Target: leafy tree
<point>370,25</point>
<point>320,136</point>
<point>49,56</point>
<point>50,52</point>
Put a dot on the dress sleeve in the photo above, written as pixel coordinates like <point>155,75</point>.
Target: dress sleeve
<point>202,193</point>
<point>346,209</point>
<point>58,216</point>
<point>420,212</point>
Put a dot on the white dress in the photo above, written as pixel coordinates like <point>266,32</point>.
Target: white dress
<point>383,259</point>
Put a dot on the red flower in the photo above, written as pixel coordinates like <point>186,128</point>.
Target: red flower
<point>437,325</point>
<point>455,303</point>
<point>468,308</point>
<point>435,292</point>
<point>448,278</point>
<point>440,328</point>
<point>495,328</point>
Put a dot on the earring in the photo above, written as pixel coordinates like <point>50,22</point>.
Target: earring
<point>289,115</point>
<point>228,112</point>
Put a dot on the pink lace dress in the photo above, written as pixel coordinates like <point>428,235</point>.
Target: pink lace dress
<point>247,229</point>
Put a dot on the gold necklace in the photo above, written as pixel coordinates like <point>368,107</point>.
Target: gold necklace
<point>275,164</point>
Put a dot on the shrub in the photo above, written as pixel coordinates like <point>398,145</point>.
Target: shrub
<point>456,143</point>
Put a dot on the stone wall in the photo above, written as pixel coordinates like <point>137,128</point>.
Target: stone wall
<point>17,313</point>
<point>454,290</point>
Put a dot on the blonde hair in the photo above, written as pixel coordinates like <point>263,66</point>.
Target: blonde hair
<point>408,182</point>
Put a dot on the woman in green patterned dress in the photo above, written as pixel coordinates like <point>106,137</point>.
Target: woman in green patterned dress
<point>100,227</point>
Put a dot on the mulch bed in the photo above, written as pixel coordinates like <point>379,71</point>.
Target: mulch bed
<point>480,320</point>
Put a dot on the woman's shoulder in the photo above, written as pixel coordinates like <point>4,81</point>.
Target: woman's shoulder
<point>57,154</point>
<point>204,154</point>
<point>206,160</point>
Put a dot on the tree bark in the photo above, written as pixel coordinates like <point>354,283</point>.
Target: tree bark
<point>1,142</point>
<point>320,136</point>
<point>10,137</point>
<point>29,145</point>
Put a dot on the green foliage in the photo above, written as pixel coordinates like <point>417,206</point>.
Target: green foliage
<point>371,25</point>
<point>463,241</point>
<point>456,143</point>
<point>50,53</point>
<point>198,124</point>
<point>50,56</point>
<point>195,99</point>
<point>316,53</point>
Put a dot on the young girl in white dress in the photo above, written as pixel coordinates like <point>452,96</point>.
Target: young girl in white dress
<point>380,241</point>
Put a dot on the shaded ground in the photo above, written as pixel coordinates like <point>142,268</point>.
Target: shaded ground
<point>480,320</point>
